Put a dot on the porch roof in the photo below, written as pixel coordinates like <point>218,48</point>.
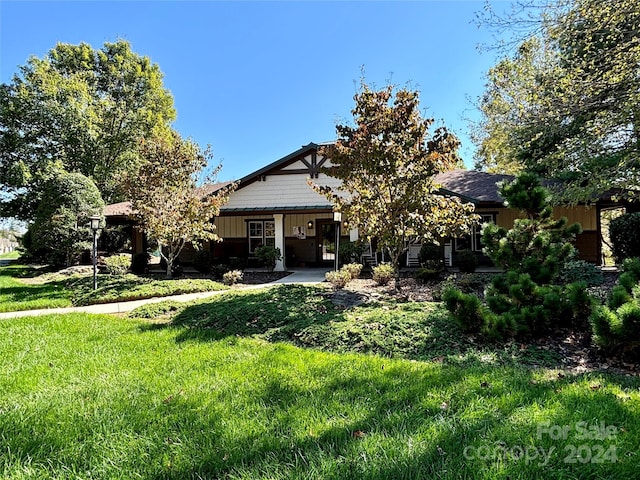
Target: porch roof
<point>288,208</point>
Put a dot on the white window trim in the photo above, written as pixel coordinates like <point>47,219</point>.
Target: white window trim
<point>264,238</point>
<point>474,238</point>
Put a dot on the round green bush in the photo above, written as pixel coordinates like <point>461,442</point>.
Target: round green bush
<point>338,279</point>
<point>383,273</point>
<point>624,231</point>
<point>118,264</point>
<point>467,261</point>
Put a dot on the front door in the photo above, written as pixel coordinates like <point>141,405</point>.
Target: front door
<point>326,241</point>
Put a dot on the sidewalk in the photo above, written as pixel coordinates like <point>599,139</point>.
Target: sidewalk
<point>305,277</point>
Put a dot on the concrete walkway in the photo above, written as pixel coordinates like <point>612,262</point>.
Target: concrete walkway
<point>302,276</point>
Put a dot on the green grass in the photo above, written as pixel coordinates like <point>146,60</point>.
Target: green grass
<point>102,397</point>
<point>303,316</point>
<point>10,255</point>
<point>16,295</point>
<point>49,290</point>
<point>122,288</point>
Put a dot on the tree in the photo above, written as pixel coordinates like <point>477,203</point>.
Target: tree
<point>525,299</point>
<point>79,110</point>
<point>60,231</point>
<point>567,104</point>
<point>164,193</point>
<point>387,163</point>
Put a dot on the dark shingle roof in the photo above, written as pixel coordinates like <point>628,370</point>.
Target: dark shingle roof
<point>472,185</point>
<point>123,209</point>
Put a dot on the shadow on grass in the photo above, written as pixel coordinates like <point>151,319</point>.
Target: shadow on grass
<point>274,411</point>
<point>372,426</point>
<point>303,316</point>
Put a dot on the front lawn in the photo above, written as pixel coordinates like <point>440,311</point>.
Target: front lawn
<point>26,288</point>
<point>87,396</point>
<point>14,255</point>
<point>303,316</point>
<point>16,295</point>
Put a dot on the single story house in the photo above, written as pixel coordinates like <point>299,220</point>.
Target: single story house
<point>275,206</point>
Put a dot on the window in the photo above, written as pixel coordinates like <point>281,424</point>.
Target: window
<point>474,240</point>
<point>261,232</point>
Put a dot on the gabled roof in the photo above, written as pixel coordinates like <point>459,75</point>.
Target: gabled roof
<point>472,185</point>
<point>283,162</point>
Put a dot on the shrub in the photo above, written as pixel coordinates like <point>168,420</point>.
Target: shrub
<point>466,310</point>
<point>353,269</point>
<point>616,326</point>
<point>467,261</point>
<point>624,231</point>
<point>350,251</point>
<point>579,300</point>
<point>203,260</point>
<point>632,265</point>
<point>525,299</point>
<point>60,230</point>
<point>383,273</point>
<point>580,271</point>
<point>268,255</point>
<point>118,264</point>
<point>219,270</point>
<point>602,319</point>
<point>430,252</point>
<point>232,277</point>
<point>339,278</point>
<point>115,239</point>
<point>426,274</point>
<point>619,296</point>
<point>140,262</point>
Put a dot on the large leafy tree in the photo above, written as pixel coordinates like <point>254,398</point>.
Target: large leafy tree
<point>79,110</point>
<point>172,201</point>
<point>60,231</point>
<point>387,162</point>
<point>567,103</point>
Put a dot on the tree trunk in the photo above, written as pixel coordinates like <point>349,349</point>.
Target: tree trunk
<point>395,261</point>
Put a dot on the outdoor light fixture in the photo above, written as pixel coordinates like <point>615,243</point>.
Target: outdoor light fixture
<point>337,216</point>
<point>95,225</point>
<point>310,225</point>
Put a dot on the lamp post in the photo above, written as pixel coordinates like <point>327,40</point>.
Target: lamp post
<point>95,225</point>
<point>337,217</point>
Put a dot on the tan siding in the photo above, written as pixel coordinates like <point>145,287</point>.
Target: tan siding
<point>301,219</point>
<point>585,216</point>
<point>235,227</point>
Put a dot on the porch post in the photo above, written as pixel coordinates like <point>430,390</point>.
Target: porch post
<point>279,220</point>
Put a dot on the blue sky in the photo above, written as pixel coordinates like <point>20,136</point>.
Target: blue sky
<point>257,80</point>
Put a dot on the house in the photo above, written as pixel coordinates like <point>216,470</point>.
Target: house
<point>481,189</point>
<point>275,206</point>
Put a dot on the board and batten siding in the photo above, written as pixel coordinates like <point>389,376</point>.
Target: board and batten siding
<point>584,215</point>
<point>236,226</point>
